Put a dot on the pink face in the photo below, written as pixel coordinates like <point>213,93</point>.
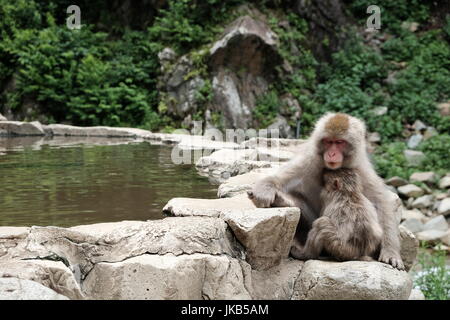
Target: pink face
<point>334,152</point>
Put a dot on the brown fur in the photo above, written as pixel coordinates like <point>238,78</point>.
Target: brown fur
<point>301,180</point>
<point>348,228</point>
<point>337,125</point>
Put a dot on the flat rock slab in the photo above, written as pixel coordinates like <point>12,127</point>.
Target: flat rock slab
<point>17,128</point>
<point>169,277</point>
<point>243,182</point>
<point>100,131</point>
<point>108,243</point>
<point>185,207</point>
<point>352,280</point>
<point>18,289</point>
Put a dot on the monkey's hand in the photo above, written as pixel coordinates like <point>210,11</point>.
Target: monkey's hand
<point>262,196</point>
<point>390,257</point>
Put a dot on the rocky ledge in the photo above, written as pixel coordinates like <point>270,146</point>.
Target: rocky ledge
<point>207,249</point>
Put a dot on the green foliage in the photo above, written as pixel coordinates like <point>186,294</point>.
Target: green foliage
<point>188,24</point>
<point>437,150</point>
<point>434,277</point>
<point>390,160</point>
<point>267,107</point>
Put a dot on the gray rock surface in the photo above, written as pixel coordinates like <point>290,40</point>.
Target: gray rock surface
<point>414,158</point>
<point>410,190</point>
<point>423,177</point>
<point>18,289</point>
<point>17,128</point>
<point>168,277</point>
<point>444,183</point>
<point>321,280</point>
<point>396,181</point>
<point>436,223</point>
<point>409,246</point>
<point>444,207</point>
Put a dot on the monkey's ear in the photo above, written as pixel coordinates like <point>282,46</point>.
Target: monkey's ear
<point>250,194</point>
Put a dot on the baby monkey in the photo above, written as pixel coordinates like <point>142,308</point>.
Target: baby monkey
<point>348,228</point>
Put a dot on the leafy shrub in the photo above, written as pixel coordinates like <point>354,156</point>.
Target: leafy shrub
<point>267,107</point>
<point>434,277</point>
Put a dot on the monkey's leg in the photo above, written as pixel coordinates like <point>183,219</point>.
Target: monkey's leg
<point>313,246</point>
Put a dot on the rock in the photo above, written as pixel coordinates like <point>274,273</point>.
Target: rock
<point>444,183</point>
<point>413,214</point>
<point>247,43</point>
<point>74,131</point>
<point>266,234</point>
<point>437,223</point>
<point>374,137</point>
<point>444,109</point>
<point>251,226</point>
<point>410,26</point>
<point>224,164</point>
<point>428,177</point>
<point>416,294</point>
<point>52,274</point>
<point>413,225</point>
<point>276,283</point>
<point>185,207</point>
<point>414,141</point>
<point>414,158</point>
<point>379,111</point>
<point>444,207</point>
<point>446,239</point>
<point>430,132</point>
<point>409,246</point>
<point>167,277</point>
<point>410,190</point>
<point>423,202</point>
<point>242,183</point>
<point>430,235</point>
<point>2,118</point>
<point>17,128</point>
<point>167,55</point>
<point>18,289</point>
<point>441,196</point>
<point>281,125</point>
<point>396,181</point>
<point>419,126</point>
<point>352,280</point>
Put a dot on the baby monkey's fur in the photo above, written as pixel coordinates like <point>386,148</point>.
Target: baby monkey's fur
<point>348,228</point>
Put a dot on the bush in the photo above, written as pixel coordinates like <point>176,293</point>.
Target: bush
<point>434,278</point>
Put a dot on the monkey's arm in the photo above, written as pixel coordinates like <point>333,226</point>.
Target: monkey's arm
<point>264,193</point>
<point>384,202</point>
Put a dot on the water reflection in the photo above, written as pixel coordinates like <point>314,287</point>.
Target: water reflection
<point>42,183</point>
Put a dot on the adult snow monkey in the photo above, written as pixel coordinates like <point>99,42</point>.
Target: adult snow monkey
<point>338,141</point>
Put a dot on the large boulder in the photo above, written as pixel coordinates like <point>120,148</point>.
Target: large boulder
<point>168,277</point>
<point>266,234</point>
<point>352,280</point>
<point>247,43</point>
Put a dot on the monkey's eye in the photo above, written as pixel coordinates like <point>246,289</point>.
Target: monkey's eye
<point>339,141</point>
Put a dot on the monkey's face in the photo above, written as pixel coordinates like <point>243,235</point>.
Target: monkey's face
<point>334,152</point>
